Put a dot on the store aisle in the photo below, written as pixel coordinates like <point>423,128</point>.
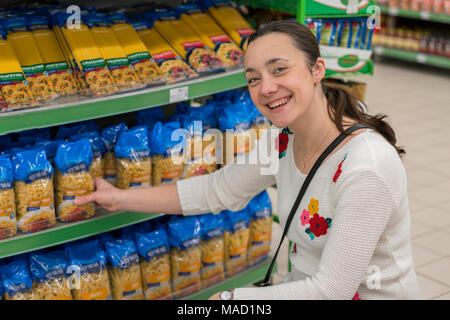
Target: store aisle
<point>416,101</point>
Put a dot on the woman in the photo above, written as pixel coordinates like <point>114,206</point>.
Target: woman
<point>351,232</point>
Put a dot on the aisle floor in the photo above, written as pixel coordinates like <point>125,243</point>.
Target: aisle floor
<point>416,100</point>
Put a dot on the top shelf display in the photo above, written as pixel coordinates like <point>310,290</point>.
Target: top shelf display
<point>418,15</point>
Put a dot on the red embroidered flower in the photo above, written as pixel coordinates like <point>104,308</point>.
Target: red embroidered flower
<point>356,296</point>
<point>281,142</point>
<point>339,170</point>
<point>318,226</point>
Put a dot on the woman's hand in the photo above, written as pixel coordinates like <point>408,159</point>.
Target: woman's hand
<point>215,296</point>
<point>106,195</point>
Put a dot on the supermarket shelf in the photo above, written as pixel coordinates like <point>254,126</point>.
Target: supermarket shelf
<point>65,232</point>
<point>246,277</point>
<point>419,15</point>
<point>72,109</point>
<point>419,57</point>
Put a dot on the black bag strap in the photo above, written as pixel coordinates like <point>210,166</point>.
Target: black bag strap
<point>328,150</point>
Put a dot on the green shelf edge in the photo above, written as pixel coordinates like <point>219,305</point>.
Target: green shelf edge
<point>246,277</point>
<point>66,232</point>
<point>412,56</point>
<point>418,15</point>
<point>47,116</point>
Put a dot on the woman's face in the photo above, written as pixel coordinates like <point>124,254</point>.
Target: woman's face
<point>279,80</point>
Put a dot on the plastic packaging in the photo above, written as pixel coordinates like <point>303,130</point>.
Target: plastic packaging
<point>97,167</point>
<point>148,117</point>
<point>66,131</point>
<point>344,33</point>
<point>8,223</point>
<point>17,281</point>
<point>110,135</point>
<point>74,178</point>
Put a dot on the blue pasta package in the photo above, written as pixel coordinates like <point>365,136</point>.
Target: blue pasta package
<point>8,220</point>
<point>16,278</point>
<point>98,151</point>
<point>110,135</point>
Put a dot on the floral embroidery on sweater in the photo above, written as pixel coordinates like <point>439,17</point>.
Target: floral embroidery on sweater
<point>339,169</point>
<point>318,226</point>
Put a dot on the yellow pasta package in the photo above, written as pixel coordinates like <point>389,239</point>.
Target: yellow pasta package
<point>211,34</point>
<point>230,20</point>
<point>135,50</point>
<point>185,254</point>
<point>89,279</point>
<point>74,178</point>
<point>17,281</point>
<point>169,61</point>
<point>30,59</point>
<point>8,224</point>
<point>56,65</point>
<point>33,188</point>
<point>153,249</point>
<point>124,269</point>
<point>236,235</point>
<point>185,41</point>
<point>110,135</point>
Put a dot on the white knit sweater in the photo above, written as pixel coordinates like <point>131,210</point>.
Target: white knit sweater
<point>351,232</point>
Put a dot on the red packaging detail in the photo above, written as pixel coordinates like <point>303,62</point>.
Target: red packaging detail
<point>245,32</point>
<point>165,55</point>
<point>193,44</point>
<point>220,38</point>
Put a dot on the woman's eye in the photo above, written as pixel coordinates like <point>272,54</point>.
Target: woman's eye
<point>252,80</point>
<point>279,69</point>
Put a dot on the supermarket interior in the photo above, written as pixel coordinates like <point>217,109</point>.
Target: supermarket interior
<point>96,91</point>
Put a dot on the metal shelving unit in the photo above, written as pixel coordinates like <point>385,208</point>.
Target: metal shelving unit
<point>418,57</point>
<point>418,15</point>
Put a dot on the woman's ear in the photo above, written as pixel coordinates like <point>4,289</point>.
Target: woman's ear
<point>318,70</point>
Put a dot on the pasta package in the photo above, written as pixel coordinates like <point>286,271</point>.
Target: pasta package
<point>166,166</point>
<point>97,166</point>
<point>124,270</point>
<point>110,135</point>
<point>66,131</point>
<point>185,254</point>
<point>33,188</point>
<point>169,61</point>
<point>135,50</point>
<point>134,165</point>
<point>153,248</point>
<point>73,178</point>
<point>260,228</point>
<point>8,223</point>
<point>56,66</point>
<point>211,34</point>
<point>213,269</point>
<point>230,20</point>
<point>236,235</point>
<point>30,59</point>
<point>185,41</point>
<point>49,270</point>
<point>17,281</point>
<point>87,262</point>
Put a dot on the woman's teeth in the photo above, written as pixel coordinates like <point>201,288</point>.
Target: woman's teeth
<point>278,103</point>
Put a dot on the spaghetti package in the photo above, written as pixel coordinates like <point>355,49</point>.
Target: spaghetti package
<point>211,34</point>
<point>33,188</point>
<point>165,149</point>
<point>153,248</point>
<point>237,28</point>
<point>260,209</point>
<point>169,61</point>
<point>87,262</point>
<point>185,41</point>
<point>8,223</point>
<point>135,50</point>
<point>124,270</point>
<point>98,148</point>
<point>328,32</point>
<point>73,178</point>
<point>236,235</point>
<point>185,254</point>
<point>17,281</point>
<point>49,271</point>
<point>134,165</point>
<point>110,135</point>
<point>213,269</point>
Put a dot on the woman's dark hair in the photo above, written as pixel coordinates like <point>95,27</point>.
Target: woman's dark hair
<point>341,102</point>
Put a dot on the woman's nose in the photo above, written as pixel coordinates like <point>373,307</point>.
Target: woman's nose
<point>268,87</point>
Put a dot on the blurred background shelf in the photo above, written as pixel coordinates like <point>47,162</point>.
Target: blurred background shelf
<point>418,57</point>
<point>419,15</point>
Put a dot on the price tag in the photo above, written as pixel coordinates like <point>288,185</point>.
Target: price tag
<point>179,94</point>
<point>393,11</point>
<point>421,58</point>
<point>425,15</point>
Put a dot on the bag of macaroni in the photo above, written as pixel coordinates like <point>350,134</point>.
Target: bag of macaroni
<point>64,132</point>
<point>134,165</point>
<point>17,282</point>
<point>73,178</point>
<point>87,271</point>
<point>110,135</point>
<point>185,254</point>
<point>8,223</point>
<point>124,269</point>
<point>153,248</point>
<point>98,148</point>
<point>33,188</point>
<point>49,268</point>
<point>149,117</point>
<point>213,269</point>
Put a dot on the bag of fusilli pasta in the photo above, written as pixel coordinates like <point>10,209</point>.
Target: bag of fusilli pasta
<point>33,188</point>
<point>98,148</point>
<point>17,281</point>
<point>134,165</point>
<point>8,223</point>
<point>124,269</point>
<point>260,210</point>
<point>110,135</point>
<point>153,248</point>
<point>73,178</point>
<point>213,269</point>
<point>236,235</point>
<point>88,273</point>
<point>49,271</point>
<point>185,254</point>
